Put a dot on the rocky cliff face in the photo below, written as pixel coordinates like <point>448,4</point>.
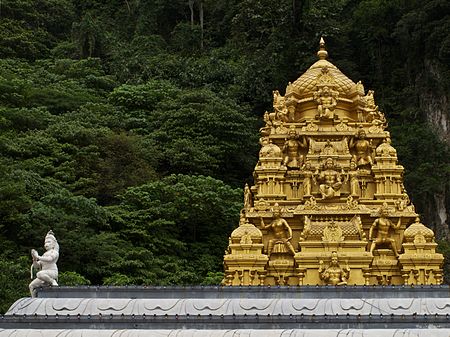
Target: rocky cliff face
<point>441,215</point>
<point>434,101</point>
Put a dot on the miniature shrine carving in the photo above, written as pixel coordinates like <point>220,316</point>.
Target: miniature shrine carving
<point>385,149</point>
<point>328,184</point>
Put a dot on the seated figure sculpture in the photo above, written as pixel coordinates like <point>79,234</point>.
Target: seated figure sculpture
<point>331,180</point>
<point>46,264</point>
<point>326,102</point>
<point>282,232</point>
<point>382,225</point>
<point>334,275</point>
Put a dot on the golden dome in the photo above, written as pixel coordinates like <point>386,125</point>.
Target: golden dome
<point>418,228</point>
<point>322,73</point>
<point>246,228</point>
<point>269,150</point>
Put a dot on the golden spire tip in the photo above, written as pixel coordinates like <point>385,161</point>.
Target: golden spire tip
<point>322,53</point>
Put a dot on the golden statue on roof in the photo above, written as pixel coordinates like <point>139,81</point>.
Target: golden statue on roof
<point>328,187</point>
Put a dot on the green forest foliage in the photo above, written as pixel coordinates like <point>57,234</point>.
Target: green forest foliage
<point>129,129</point>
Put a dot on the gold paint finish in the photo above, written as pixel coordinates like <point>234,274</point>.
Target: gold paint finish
<point>328,205</point>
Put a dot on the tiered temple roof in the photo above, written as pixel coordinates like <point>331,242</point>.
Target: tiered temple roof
<point>328,197</point>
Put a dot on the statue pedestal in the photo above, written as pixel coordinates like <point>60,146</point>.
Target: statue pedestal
<point>385,265</point>
<point>281,266</point>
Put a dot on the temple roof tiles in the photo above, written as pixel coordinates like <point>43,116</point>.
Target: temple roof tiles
<point>306,84</point>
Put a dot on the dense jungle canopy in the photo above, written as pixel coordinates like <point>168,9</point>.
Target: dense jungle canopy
<point>129,127</point>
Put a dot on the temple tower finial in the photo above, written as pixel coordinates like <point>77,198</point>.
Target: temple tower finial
<point>322,53</point>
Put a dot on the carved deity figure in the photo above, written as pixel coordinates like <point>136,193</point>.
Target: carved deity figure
<point>291,110</point>
<point>330,178</point>
<point>382,226</point>
<point>279,105</point>
<point>370,100</point>
<point>328,149</point>
<point>46,264</point>
<point>374,116</point>
<point>332,232</point>
<point>292,146</point>
<point>246,239</point>
<point>385,149</point>
<point>326,102</point>
<point>308,176</point>
<point>306,228</point>
<point>266,130</point>
<point>376,127</point>
<point>353,175</point>
<point>402,202</point>
<point>267,119</point>
<point>282,232</point>
<point>362,149</point>
<point>277,98</point>
<point>334,275</point>
<point>248,199</point>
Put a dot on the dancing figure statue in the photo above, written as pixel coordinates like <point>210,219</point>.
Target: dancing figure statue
<point>282,232</point>
<point>382,225</point>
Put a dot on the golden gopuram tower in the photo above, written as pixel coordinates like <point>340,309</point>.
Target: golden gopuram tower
<point>328,205</point>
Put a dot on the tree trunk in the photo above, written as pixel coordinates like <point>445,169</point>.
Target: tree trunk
<point>191,7</point>
<point>128,6</point>
<point>201,24</point>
